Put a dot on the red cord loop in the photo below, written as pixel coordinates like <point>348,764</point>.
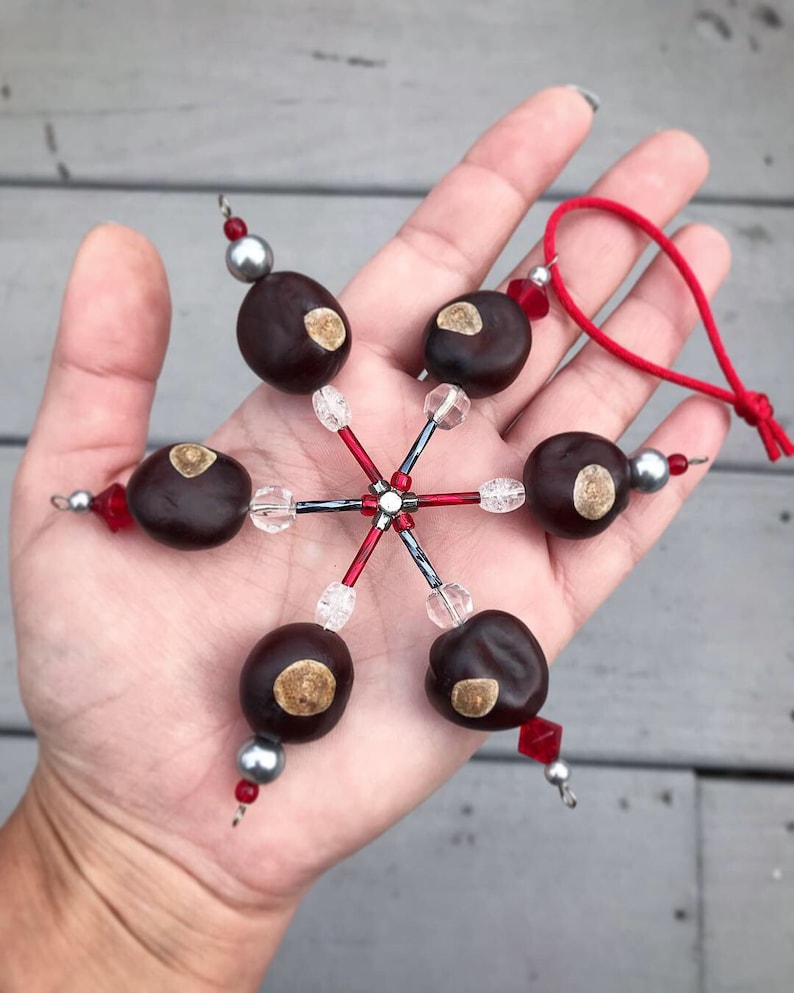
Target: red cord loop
<point>754,408</point>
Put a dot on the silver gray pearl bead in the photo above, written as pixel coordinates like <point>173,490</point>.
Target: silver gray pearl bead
<point>539,275</point>
<point>558,773</point>
<point>650,470</point>
<point>80,501</point>
<point>249,258</point>
<point>260,760</point>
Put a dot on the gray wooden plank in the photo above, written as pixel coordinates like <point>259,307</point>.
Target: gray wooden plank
<point>748,886</point>
<point>379,93</point>
<point>493,885</point>
<point>686,663</point>
<point>690,660</point>
<point>12,713</point>
<point>17,760</point>
<point>330,238</point>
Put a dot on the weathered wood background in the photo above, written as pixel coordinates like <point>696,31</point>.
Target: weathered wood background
<point>328,120</point>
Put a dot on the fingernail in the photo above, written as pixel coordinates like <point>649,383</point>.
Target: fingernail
<point>592,98</point>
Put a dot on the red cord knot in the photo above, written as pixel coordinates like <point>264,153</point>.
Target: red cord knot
<point>754,408</point>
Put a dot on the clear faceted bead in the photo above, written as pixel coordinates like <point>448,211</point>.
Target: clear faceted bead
<point>449,605</point>
<point>500,496</point>
<point>331,408</point>
<point>335,606</point>
<point>272,509</point>
<point>447,405</point>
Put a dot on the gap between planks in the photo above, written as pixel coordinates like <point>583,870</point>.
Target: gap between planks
<point>371,191</point>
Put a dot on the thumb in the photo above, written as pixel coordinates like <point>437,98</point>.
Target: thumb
<point>112,337</point>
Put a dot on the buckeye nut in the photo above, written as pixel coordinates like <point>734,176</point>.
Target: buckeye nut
<point>576,484</point>
<point>489,674</point>
<point>296,682</point>
<point>189,496</point>
<point>293,333</point>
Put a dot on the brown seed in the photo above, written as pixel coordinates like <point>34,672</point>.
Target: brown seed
<point>594,492</point>
<point>326,327</point>
<point>305,688</point>
<point>462,317</point>
<point>191,460</point>
<point>474,697</point>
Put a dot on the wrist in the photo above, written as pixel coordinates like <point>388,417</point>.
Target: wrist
<point>87,906</point>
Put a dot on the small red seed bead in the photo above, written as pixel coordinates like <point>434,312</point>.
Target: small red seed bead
<point>678,464</point>
<point>369,505</point>
<point>400,481</point>
<point>235,228</point>
<point>246,792</point>
<point>404,522</point>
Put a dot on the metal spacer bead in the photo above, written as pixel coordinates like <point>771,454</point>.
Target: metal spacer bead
<point>650,470</point>
<point>249,258</point>
<point>410,502</point>
<point>78,502</point>
<point>539,275</point>
<point>558,773</point>
<point>260,760</point>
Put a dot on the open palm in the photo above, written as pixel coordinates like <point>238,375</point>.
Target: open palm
<point>130,652</point>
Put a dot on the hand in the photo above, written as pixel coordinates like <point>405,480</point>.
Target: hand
<point>130,652</point>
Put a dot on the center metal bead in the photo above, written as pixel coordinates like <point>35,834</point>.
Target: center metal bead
<point>391,503</point>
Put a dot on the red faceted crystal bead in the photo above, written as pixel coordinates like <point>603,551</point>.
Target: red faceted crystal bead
<point>235,228</point>
<point>532,299</point>
<point>246,792</point>
<point>111,506</point>
<point>540,740</point>
<point>678,464</point>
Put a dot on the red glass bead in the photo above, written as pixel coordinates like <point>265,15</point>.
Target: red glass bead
<point>540,740</point>
<point>246,792</point>
<point>111,506</point>
<point>400,481</point>
<point>404,522</point>
<point>371,471</point>
<point>678,464</point>
<point>369,505</point>
<point>235,228</point>
<point>532,299</point>
<point>448,499</point>
<point>372,538</point>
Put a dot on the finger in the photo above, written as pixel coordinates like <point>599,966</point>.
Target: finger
<point>109,349</point>
<point>597,251</point>
<point>456,234</point>
<point>600,391</point>
<point>588,571</point>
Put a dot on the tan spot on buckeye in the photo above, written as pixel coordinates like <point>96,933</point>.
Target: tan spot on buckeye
<point>326,327</point>
<point>474,697</point>
<point>191,460</point>
<point>462,318</point>
<point>305,688</point>
<point>594,492</point>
